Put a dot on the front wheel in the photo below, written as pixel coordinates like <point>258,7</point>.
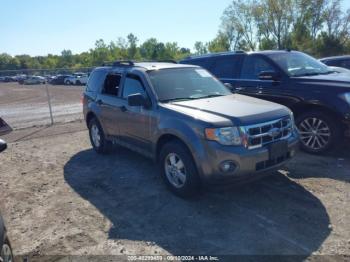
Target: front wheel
<point>6,252</point>
<point>97,137</point>
<point>318,131</point>
<point>178,170</point>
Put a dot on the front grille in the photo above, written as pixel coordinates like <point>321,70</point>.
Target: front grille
<point>268,132</point>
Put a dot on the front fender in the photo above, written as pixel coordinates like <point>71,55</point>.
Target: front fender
<point>190,135</point>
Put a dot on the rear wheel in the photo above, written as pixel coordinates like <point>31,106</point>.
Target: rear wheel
<point>319,132</point>
<point>177,169</point>
<point>97,137</point>
<point>6,252</point>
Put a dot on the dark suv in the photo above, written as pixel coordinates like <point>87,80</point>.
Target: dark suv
<point>318,96</point>
<point>188,121</point>
<point>338,61</point>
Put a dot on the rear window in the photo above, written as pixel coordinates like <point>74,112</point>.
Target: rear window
<point>96,80</point>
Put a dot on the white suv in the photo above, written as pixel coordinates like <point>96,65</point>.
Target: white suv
<point>76,79</point>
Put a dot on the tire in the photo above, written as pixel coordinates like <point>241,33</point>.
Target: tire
<point>6,252</point>
<point>78,83</point>
<point>97,137</point>
<point>68,83</point>
<point>189,184</point>
<point>319,132</point>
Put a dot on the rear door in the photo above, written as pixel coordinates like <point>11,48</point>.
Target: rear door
<point>110,103</point>
<point>227,68</point>
<point>249,83</point>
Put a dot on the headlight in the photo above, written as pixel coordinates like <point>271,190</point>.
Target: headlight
<point>346,96</point>
<point>225,136</point>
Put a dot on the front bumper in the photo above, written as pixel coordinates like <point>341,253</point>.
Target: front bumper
<point>250,163</point>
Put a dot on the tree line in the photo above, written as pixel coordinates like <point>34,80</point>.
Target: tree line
<point>318,27</point>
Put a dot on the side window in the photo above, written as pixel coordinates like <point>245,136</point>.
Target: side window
<point>345,63</point>
<point>95,81</point>
<point>226,66</point>
<point>111,84</point>
<point>133,85</point>
<point>253,66</point>
<point>202,62</point>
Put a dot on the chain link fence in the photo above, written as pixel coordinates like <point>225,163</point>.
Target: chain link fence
<point>36,97</point>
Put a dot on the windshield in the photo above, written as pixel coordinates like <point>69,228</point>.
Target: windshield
<point>185,84</point>
<point>299,64</point>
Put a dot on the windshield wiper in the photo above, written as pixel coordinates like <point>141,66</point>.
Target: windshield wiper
<point>209,96</point>
<point>328,72</point>
<point>315,73</point>
<point>175,99</point>
<point>308,74</point>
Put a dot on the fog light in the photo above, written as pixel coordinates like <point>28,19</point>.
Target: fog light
<point>227,166</point>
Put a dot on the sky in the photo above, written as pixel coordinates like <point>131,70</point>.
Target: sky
<point>38,27</point>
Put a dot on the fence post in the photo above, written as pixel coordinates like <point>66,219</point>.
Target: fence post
<point>49,101</point>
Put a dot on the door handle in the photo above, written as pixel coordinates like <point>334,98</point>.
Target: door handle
<point>239,88</point>
<point>99,102</point>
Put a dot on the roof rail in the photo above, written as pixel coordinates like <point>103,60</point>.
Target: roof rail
<point>216,54</point>
<point>159,61</point>
<point>123,63</point>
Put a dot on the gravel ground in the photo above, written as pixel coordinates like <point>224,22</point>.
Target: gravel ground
<point>61,198</point>
<point>27,105</point>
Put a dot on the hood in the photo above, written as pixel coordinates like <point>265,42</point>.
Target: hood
<point>335,79</point>
<point>232,109</point>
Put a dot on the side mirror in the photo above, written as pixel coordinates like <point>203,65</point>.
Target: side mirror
<point>3,145</point>
<point>228,85</point>
<point>269,75</point>
<point>138,100</point>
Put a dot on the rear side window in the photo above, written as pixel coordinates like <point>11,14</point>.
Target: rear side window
<point>133,85</point>
<point>344,63</point>
<point>253,66</point>
<point>96,80</point>
<point>203,62</point>
<point>111,84</point>
<point>226,66</point>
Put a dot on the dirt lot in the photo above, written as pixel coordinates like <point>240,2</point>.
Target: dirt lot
<point>60,198</point>
<point>27,105</point>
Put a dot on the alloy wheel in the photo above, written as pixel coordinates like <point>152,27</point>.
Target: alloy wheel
<point>95,135</point>
<point>314,133</point>
<point>175,170</point>
<point>6,254</point>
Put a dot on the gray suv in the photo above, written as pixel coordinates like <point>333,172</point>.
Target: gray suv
<point>187,121</point>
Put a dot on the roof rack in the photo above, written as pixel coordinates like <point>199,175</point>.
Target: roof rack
<point>119,63</point>
<point>158,61</point>
<point>216,54</point>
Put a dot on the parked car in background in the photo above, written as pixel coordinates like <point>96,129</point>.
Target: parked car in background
<point>76,79</point>
<point>9,79</point>
<point>338,61</point>
<point>318,96</point>
<point>59,80</point>
<point>189,122</point>
<point>339,69</point>
<point>34,80</point>
<point>2,79</point>
<point>6,254</point>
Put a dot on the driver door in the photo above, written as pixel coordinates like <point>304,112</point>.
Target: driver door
<point>134,121</point>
